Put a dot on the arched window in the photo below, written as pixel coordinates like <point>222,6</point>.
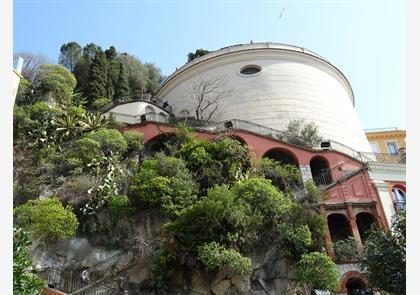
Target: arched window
<point>339,227</point>
<point>365,221</point>
<point>399,198</point>
<point>282,155</point>
<point>321,174</point>
<point>149,109</point>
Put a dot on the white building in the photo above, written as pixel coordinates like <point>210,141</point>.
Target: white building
<point>271,84</point>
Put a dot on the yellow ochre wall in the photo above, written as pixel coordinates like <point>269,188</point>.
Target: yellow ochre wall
<point>381,137</point>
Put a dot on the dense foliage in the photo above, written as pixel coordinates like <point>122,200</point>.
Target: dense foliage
<point>318,270</point>
<point>47,219</point>
<point>384,257</point>
<point>165,182</point>
<point>24,282</point>
<point>198,52</point>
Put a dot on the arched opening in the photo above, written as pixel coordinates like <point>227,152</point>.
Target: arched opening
<point>339,227</point>
<point>356,286</point>
<point>320,170</point>
<point>282,155</point>
<point>149,109</point>
<point>399,197</point>
<point>160,143</point>
<point>365,222</point>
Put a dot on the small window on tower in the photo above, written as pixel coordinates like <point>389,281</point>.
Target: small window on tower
<point>250,70</point>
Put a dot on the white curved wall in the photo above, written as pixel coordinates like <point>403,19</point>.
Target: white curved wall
<point>291,85</point>
<point>131,112</point>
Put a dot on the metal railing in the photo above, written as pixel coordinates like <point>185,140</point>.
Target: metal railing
<point>339,172</point>
<point>383,158</point>
<point>237,124</point>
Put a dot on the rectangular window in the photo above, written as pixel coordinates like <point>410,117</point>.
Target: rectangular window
<point>374,147</point>
<point>392,147</point>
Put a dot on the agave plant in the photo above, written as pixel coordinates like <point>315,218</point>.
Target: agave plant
<point>67,125</point>
<point>93,121</point>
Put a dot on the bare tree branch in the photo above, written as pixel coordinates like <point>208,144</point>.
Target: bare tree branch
<point>206,95</point>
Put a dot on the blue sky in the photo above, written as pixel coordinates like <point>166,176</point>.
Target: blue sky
<point>365,39</point>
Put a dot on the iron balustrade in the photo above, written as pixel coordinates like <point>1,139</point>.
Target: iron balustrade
<point>341,171</point>
<point>383,158</point>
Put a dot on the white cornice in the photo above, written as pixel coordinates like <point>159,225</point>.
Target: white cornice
<point>386,167</point>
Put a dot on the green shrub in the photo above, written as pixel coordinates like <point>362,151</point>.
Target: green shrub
<point>165,182</point>
<point>24,282</point>
<point>346,249</point>
<point>217,162</point>
<point>134,141</point>
<point>86,149</point>
<point>120,205</point>
<point>285,177</point>
<point>111,141</point>
<point>215,257</point>
<point>318,270</point>
<point>47,218</point>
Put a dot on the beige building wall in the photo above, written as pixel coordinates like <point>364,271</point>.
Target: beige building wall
<point>381,140</point>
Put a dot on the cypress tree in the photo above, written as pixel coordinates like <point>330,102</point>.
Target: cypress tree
<point>97,78</point>
<point>122,89</point>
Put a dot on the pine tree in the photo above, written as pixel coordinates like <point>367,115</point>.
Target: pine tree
<point>122,89</point>
<point>97,78</point>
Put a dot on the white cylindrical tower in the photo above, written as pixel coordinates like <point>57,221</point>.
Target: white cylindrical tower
<point>270,84</point>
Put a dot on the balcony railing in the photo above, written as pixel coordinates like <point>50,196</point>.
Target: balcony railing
<point>383,158</point>
<point>341,171</point>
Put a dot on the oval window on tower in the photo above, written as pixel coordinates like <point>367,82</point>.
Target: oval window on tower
<point>250,70</point>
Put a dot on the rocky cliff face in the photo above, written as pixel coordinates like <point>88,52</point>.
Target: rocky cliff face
<point>271,273</point>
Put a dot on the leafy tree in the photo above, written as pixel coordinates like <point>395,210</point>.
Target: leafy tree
<point>55,83</point>
<point>153,77</point>
<point>197,53</point>
<point>122,90</point>
<point>384,257</point>
<point>137,75</point>
<point>111,53</point>
<point>97,79</point>
<point>24,282</point>
<point>318,270</point>
<point>47,218</point>
<point>81,69</point>
<point>304,134</point>
<point>31,64</point>
<point>70,54</point>
<point>166,183</point>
